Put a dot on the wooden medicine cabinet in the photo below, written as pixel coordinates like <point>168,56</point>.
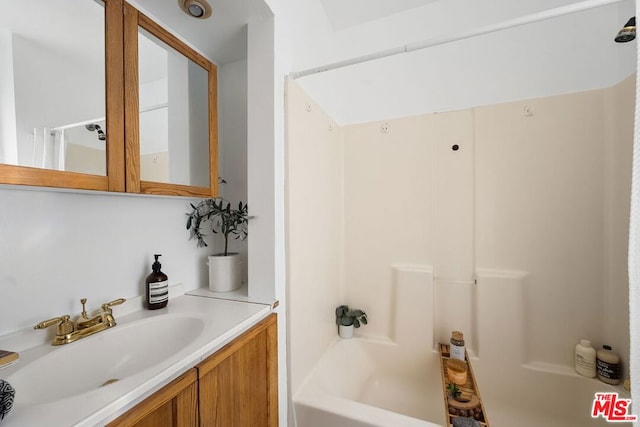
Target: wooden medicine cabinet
<point>103,98</point>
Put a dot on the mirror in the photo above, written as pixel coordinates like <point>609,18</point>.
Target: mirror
<point>174,108</point>
<point>52,85</point>
<point>70,123</point>
<point>171,112</point>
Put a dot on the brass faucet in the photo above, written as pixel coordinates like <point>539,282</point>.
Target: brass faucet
<point>67,332</point>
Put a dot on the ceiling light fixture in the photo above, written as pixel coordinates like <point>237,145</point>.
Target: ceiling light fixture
<point>196,8</point>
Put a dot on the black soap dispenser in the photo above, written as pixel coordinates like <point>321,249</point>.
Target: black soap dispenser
<point>157,287</point>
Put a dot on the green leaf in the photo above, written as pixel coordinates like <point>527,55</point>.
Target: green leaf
<point>346,321</point>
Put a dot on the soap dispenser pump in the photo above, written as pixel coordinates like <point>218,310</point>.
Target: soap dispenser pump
<point>157,287</point>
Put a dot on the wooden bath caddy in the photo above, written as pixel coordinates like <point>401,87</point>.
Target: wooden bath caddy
<point>452,407</point>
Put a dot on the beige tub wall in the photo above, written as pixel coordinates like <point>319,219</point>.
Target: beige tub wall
<point>388,184</point>
<point>540,209</point>
<point>532,207</point>
<point>155,166</point>
<point>314,231</point>
<point>552,199</point>
<point>83,159</point>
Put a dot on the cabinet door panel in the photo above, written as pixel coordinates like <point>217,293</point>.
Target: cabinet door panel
<point>249,363</point>
<point>238,384</point>
<point>161,417</point>
<point>175,405</point>
<point>215,391</point>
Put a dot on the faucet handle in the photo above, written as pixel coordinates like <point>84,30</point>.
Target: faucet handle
<point>65,326</point>
<point>83,301</point>
<point>107,306</point>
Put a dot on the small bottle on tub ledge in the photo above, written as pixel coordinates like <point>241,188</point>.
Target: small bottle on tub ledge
<point>608,365</point>
<point>456,347</point>
<point>585,359</point>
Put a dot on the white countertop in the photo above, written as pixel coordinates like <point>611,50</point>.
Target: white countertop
<point>223,321</point>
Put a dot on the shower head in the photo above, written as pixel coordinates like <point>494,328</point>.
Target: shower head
<point>628,32</point>
<point>91,127</point>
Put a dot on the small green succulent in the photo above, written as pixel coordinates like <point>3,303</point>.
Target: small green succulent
<point>346,317</point>
<point>454,390</point>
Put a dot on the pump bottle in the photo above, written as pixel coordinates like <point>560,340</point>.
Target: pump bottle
<point>157,287</point>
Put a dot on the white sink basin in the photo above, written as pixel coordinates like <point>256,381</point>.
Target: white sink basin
<point>104,358</point>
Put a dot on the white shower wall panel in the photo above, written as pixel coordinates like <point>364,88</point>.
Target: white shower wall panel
<point>501,315</point>
<point>453,188</point>
<point>314,238</point>
<point>540,203</point>
<point>454,311</point>
<point>388,210</point>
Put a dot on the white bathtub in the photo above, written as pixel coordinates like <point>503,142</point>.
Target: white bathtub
<point>360,383</point>
<point>363,383</point>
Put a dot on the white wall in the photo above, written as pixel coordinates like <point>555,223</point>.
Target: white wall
<point>232,152</point>
<point>198,125</point>
<point>178,118</point>
<point>8,149</point>
<point>59,247</point>
<point>53,89</point>
<point>263,194</point>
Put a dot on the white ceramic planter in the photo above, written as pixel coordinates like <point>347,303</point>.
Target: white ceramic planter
<point>345,332</point>
<point>225,272</point>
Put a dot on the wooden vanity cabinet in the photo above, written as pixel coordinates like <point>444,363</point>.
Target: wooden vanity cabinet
<point>235,387</point>
<point>239,384</point>
<point>175,405</point>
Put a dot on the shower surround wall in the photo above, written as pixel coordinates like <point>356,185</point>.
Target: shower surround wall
<point>520,231</point>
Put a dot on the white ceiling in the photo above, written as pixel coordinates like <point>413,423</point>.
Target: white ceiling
<point>568,53</point>
<point>349,13</point>
<point>63,25</point>
<point>222,37</point>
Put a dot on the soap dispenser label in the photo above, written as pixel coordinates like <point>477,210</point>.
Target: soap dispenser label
<point>158,292</point>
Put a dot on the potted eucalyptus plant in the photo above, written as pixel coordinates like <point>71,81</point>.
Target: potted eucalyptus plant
<point>217,215</point>
<point>348,319</point>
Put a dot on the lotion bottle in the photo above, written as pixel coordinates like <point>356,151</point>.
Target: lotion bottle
<point>608,366</point>
<point>585,359</point>
<point>157,287</point>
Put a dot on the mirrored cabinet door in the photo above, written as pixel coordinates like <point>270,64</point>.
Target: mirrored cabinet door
<point>58,125</point>
<point>96,96</point>
<point>171,102</point>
